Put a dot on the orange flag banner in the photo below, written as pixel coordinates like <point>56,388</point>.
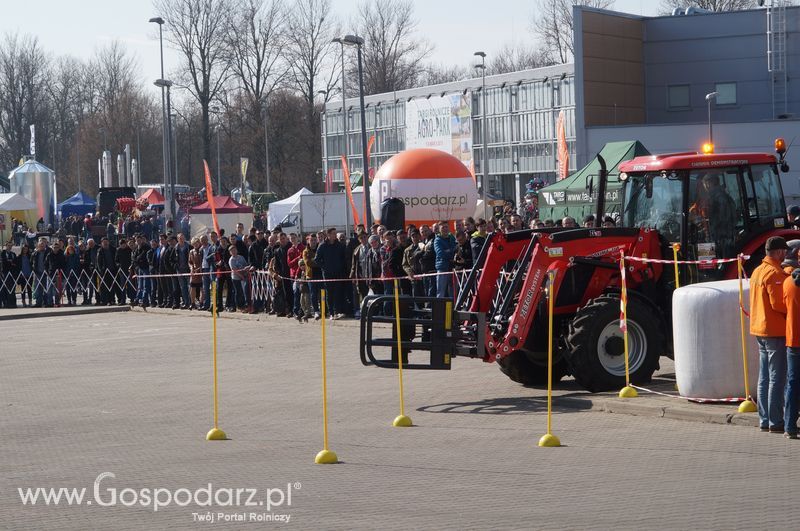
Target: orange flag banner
<point>563,149</point>
<point>210,197</point>
<point>349,190</point>
<point>370,143</point>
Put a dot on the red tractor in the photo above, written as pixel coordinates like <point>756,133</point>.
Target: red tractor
<point>713,205</point>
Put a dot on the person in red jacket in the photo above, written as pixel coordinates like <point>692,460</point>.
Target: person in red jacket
<point>768,324</point>
<point>791,298</point>
<point>293,257</point>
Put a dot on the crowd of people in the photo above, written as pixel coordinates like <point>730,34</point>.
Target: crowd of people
<point>253,271</point>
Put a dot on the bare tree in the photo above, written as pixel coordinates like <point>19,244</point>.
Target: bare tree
<point>314,66</point>
<point>197,29</point>
<point>667,6</point>
<point>514,56</point>
<point>435,74</point>
<point>393,54</point>
<point>23,78</point>
<point>554,25</point>
<point>256,37</point>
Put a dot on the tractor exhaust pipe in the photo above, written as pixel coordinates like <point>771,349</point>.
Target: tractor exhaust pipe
<point>601,192</point>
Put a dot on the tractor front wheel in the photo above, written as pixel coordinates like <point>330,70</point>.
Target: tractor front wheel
<point>596,353</point>
<point>520,368</point>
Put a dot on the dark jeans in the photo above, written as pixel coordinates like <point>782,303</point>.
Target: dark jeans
<point>429,285</point>
<point>334,294</point>
<point>792,397</point>
<point>313,288</point>
<point>206,290</point>
<point>238,294</point>
<point>771,380</point>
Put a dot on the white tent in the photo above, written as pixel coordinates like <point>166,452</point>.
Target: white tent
<point>17,206</point>
<point>278,210</point>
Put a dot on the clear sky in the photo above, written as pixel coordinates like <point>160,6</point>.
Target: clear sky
<point>455,27</point>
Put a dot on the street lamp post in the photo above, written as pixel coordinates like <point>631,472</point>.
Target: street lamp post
<point>265,111</point>
<point>711,96</point>
<point>484,136</point>
<point>174,129</point>
<point>215,110</point>
<point>165,144</point>
<point>324,134</point>
<point>344,109</point>
<point>78,153</point>
<point>168,181</point>
<point>358,42</point>
<point>105,139</point>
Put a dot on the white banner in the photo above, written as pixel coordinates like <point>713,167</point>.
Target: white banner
<point>33,141</point>
<point>446,198</point>
<point>443,123</point>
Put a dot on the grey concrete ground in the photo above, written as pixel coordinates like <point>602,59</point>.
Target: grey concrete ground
<point>130,393</point>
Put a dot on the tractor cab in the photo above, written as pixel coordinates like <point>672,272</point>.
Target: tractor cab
<point>713,205</point>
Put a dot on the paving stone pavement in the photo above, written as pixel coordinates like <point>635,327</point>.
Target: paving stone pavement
<point>130,393</point>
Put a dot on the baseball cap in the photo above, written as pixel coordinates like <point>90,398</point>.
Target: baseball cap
<point>776,243</point>
<point>793,210</point>
<point>792,255</point>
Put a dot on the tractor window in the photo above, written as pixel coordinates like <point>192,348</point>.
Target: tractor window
<point>654,201</point>
<point>766,187</point>
<point>716,216</point>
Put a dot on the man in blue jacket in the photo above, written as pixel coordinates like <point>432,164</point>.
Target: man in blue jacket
<point>445,248</point>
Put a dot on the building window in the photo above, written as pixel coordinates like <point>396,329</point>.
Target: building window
<point>726,93</point>
<point>678,96</point>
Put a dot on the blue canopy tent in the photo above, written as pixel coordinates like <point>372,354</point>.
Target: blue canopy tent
<point>79,204</point>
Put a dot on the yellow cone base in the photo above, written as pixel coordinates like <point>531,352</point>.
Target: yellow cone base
<point>401,421</point>
<point>628,392</point>
<point>549,440</point>
<point>748,406</point>
<point>216,434</point>
<point>326,457</point>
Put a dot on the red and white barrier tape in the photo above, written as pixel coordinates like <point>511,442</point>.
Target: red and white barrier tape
<point>731,400</point>
<point>712,262</point>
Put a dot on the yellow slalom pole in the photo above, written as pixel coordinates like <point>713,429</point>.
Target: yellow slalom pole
<point>748,406</point>
<point>548,439</point>
<point>675,248</point>
<point>627,391</point>
<point>215,434</point>
<point>325,456</point>
<point>401,421</point>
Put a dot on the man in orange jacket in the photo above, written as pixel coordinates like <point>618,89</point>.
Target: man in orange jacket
<point>791,298</point>
<point>768,324</point>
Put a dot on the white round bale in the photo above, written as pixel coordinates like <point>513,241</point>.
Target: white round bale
<point>707,341</point>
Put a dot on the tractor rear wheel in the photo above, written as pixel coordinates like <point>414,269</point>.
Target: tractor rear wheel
<point>520,368</point>
<point>596,353</point>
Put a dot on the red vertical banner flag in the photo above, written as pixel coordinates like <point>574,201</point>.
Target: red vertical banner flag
<point>349,190</point>
<point>563,150</point>
<point>366,180</point>
<point>210,197</point>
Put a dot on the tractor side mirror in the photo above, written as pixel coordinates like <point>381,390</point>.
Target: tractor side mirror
<point>590,185</point>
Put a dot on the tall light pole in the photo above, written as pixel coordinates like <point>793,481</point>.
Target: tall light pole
<point>164,140</point>
<point>324,134</point>
<point>215,110</point>
<point>173,123</point>
<point>105,139</point>
<point>484,136</point>
<point>265,111</point>
<point>78,145</point>
<point>169,182</point>
<point>711,96</point>
<point>358,42</point>
<point>344,110</point>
